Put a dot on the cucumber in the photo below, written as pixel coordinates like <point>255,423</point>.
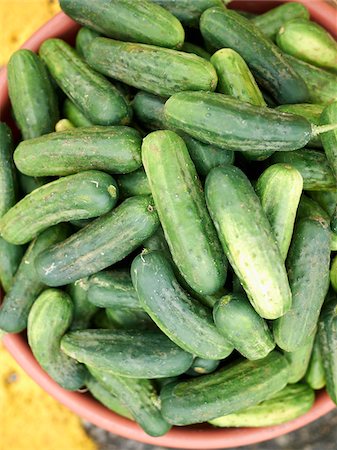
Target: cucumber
<point>309,42</point>
<point>308,271</point>
<point>326,199</point>
<point>201,366</point>
<point>334,222</point>
<point>185,321</point>
<point>100,244</point>
<point>309,209</point>
<point>333,273</point>
<point>84,37</point>
<point>291,402</point>
<point>10,258</point>
<point>64,125</point>
<point>75,115</point>
<point>134,183</point>
<point>80,196</point>
<point>29,184</point>
<point>157,242</point>
<point>83,309</point>
<point>236,387</point>
<point>249,334</point>
<point>176,189</point>
<point>138,396</point>
<point>279,189</point>
<point>329,139</point>
<point>161,71</point>
<point>134,354</point>
<point>94,95</point>
<point>188,47</point>
<point>249,245</point>
<point>7,170</point>
<point>315,376</point>
<point>299,360</point>
<point>128,20</point>
<point>32,95</point>
<point>312,165</point>
<point>271,21</point>
<point>149,110</point>
<point>226,28</point>
<point>48,320</point>
<point>128,319</point>
<point>26,285</point>
<point>113,149</point>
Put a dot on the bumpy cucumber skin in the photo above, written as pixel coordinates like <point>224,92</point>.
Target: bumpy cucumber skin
<point>134,354</point>
<point>7,170</point>
<point>185,321</point>
<point>10,258</point>
<point>83,39</point>
<point>80,196</point>
<point>234,125</point>
<point>134,183</point>
<point>161,71</point>
<point>241,385</point>
<point>308,271</point>
<point>29,184</point>
<point>279,189</point>
<point>201,366</point>
<point>188,47</point>
<point>32,95</point>
<point>83,309</point>
<point>100,244</point>
<point>26,285</point>
<point>226,28</point>
<point>299,360</point>
<point>114,149</point>
<point>291,402</point>
<point>138,396</point>
<point>312,165</point>
<point>247,240</point>
<point>48,320</point>
<point>97,98</point>
<point>182,210</point>
<point>329,139</point>
<point>249,334</point>
<point>75,115</point>
<point>315,376</point>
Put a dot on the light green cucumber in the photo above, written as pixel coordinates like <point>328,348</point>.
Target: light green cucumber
<point>315,376</point>
<point>134,183</point>
<point>333,273</point>
<point>299,360</point>
<point>74,114</point>
<point>63,125</point>
<point>83,309</point>
<point>329,139</point>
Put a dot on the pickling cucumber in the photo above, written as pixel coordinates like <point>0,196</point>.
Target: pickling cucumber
<point>188,47</point>
<point>84,38</point>
<point>201,366</point>
<point>299,360</point>
<point>128,319</point>
<point>329,139</point>
<point>315,376</point>
<point>7,170</point>
<point>83,309</point>
<point>134,183</point>
<point>75,115</point>
<point>326,199</point>
<point>10,258</point>
<point>29,184</point>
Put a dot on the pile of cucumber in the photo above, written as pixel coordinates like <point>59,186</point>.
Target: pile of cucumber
<point>169,245</point>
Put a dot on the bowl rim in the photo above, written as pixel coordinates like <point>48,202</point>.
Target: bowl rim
<point>203,436</point>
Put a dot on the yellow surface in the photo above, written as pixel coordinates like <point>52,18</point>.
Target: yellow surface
<point>18,21</point>
<point>32,420</point>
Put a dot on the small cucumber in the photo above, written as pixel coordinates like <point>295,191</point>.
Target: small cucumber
<point>128,319</point>
<point>96,97</point>
<point>326,199</point>
<point>315,376</point>
<point>247,240</point>
<point>233,388</point>
<point>161,71</point>
<point>333,273</point>
<point>134,354</point>
<point>310,209</point>
<point>134,183</point>
<point>48,320</point>
<point>75,115</point>
<point>80,196</point>
<point>7,170</point>
<point>83,309</point>
<point>201,366</point>
<point>188,47</point>
<point>100,244</point>
<point>10,258</point>
<point>299,360</point>
<point>149,110</point>
<point>83,39</point>
<point>279,189</point>
<point>308,271</point>
<point>32,95</point>
<point>29,184</point>
<point>184,320</point>
<point>249,334</point>
<point>64,125</point>
<point>329,139</point>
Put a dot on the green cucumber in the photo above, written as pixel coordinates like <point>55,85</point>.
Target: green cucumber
<point>184,320</point>
<point>149,110</point>
<point>249,334</point>
<point>10,258</point>
<point>247,240</point>
<point>176,189</point>
<point>138,396</point>
<point>114,149</point>
<point>329,139</point>
<point>310,209</point>
<point>32,95</point>
<point>48,320</point>
<point>291,402</point>
<point>315,376</point>
<point>128,319</point>
<point>64,125</point>
<point>309,42</point>
<point>326,199</point>
<point>188,47</point>
<point>7,170</point>
<point>29,184</point>
<point>134,183</point>
<point>333,273</point>
<point>161,71</point>
<point>202,366</point>
<point>279,189</point>
<point>80,196</point>
<point>157,242</point>
<point>233,388</point>
<point>94,95</point>
<point>75,115</point>
<point>308,271</point>
<point>299,360</point>
<point>84,37</point>
<point>333,224</point>
<point>134,354</point>
<point>83,309</point>
<point>100,244</point>
<point>226,28</point>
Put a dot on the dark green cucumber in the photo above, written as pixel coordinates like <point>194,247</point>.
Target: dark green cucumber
<point>84,38</point>
<point>10,258</point>
<point>188,47</point>
<point>7,170</point>
<point>128,20</point>
<point>185,321</point>
<point>161,71</point>
<point>291,402</point>
<point>226,28</point>
<point>176,190</point>
<point>128,319</point>
<point>249,245</point>
<point>134,183</point>
<point>149,110</point>
<point>29,184</point>
<point>326,199</point>
<point>310,209</point>
<point>97,98</point>
<point>279,189</point>
<point>100,244</point>
<point>315,376</point>
<point>50,317</point>
<point>83,309</point>
<point>329,139</point>
<point>308,271</point>
<point>139,397</point>
<point>111,149</point>
<point>202,366</point>
<point>75,115</point>
<point>32,95</point>
<point>249,334</point>
<point>80,196</point>
<point>233,388</point>
<point>134,354</point>
<point>299,360</point>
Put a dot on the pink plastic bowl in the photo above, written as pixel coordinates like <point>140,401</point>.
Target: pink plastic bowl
<point>196,437</point>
